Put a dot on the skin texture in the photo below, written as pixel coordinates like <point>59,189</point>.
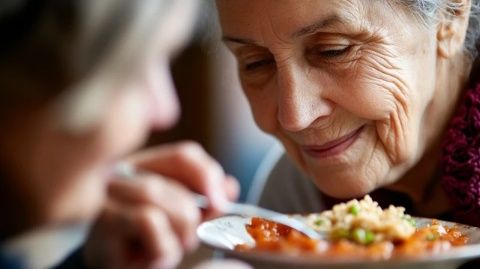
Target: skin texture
<point>59,177</point>
<point>318,71</point>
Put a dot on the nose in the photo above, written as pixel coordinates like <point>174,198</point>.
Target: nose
<point>300,100</point>
<point>164,108</point>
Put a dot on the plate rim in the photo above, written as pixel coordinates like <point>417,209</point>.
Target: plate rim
<point>455,254</point>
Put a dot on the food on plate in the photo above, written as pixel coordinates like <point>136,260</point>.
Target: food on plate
<point>359,229</point>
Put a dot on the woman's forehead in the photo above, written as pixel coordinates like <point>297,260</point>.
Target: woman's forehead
<point>290,18</point>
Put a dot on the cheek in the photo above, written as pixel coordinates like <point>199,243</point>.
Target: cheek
<point>376,87</point>
<point>78,200</point>
<point>264,109</point>
<point>380,89</point>
<point>68,176</point>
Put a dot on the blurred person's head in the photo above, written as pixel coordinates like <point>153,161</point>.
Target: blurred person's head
<point>81,85</point>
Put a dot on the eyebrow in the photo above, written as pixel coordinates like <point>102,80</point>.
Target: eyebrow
<point>306,30</point>
<point>240,40</point>
<point>315,27</point>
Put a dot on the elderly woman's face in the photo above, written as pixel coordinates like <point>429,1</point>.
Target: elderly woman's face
<point>344,85</point>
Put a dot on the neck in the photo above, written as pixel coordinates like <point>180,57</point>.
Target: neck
<point>421,182</point>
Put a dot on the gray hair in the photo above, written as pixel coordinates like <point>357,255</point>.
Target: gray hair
<point>428,11</point>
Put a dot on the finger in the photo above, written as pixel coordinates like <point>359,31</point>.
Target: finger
<point>101,249</point>
<point>166,195</point>
<point>232,188</point>
<point>113,239</point>
<point>142,237</point>
<point>155,232</point>
<point>188,163</point>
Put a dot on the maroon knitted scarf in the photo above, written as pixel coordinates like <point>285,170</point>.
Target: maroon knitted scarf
<point>460,161</point>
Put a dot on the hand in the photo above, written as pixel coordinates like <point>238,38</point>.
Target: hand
<point>150,222</point>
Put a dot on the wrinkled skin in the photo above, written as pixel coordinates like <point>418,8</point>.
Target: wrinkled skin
<point>367,71</point>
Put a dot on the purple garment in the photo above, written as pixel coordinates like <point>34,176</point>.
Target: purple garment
<point>460,162</point>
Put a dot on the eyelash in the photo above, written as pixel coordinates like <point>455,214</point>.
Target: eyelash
<point>334,52</point>
<point>257,64</point>
<point>328,54</point>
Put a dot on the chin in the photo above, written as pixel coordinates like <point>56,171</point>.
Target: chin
<point>79,214</point>
<point>344,186</point>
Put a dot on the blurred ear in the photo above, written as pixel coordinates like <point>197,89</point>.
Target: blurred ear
<point>452,27</point>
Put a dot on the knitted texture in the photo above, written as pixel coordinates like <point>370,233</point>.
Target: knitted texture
<point>460,162</point>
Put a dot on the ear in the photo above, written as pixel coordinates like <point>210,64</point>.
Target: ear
<point>452,27</point>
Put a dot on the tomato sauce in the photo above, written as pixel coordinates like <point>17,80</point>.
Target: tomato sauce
<point>274,237</point>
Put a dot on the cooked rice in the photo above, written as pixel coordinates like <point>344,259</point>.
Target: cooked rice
<point>391,224</point>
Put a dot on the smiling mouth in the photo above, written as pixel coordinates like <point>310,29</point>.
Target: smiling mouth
<point>333,147</point>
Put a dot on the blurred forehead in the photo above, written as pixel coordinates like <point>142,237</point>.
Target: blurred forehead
<point>175,29</point>
<point>286,19</point>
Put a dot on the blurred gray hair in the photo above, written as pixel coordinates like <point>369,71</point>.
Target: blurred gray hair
<point>112,40</point>
<point>77,34</point>
<point>72,50</point>
<point>116,26</point>
<point>428,12</point>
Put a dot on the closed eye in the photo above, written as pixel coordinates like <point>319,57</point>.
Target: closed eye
<point>257,64</point>
<point>332,53</point>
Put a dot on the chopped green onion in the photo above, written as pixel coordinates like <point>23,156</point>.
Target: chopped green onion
<point>363,236</point>
<point>431,237</point>
<point>359,235</point>
<point>318,222</point>
<point>410,220</point>
<point>369,237</point>
<point>340,233</point>
<point>354,210</point>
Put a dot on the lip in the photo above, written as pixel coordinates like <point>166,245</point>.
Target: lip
<point>333,147</point>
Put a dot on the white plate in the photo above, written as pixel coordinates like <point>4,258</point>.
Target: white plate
<point>225,233</point>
